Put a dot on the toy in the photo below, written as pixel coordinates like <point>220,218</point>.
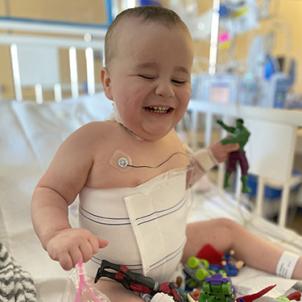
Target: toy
<point>137,282</point>
<point>209,253</point>
<point>240,135</point>
<point>85,290</point>
<point>219,262</point>
<point>296,295</point>
<point>282,299</point>
<point>252,297</point>
<point>195,294</point>
<point>231,265</point>
<point>217,289</point>
<point>196,271</point>
<point>293,296</point>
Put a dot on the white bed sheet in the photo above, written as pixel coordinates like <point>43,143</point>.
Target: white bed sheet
<point>29,137</point>
<point>46,125</point>
<point>30,134</point>
<point>15,149</point>
<point>214,204</point>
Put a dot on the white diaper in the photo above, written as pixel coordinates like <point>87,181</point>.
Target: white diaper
<point>145,225</point>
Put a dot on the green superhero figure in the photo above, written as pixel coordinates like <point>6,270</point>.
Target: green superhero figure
<point>239,135</point>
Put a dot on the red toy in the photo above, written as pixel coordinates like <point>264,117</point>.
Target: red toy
<point>209,253</point>
<point>252,297</point>
<point>294,296</point>
<point>137,282</point>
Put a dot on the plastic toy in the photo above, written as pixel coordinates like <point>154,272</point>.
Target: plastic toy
<point>231,265</point>
<point>296,295</point>
<point>292,296</point>
<point>196,271</point>
<point>137,282</point>
<point>85,290</point>
<point>282,299</point>
<point>252,297</point>
<point>195,294</point>
<point>219,262</point>
<point>209,253</point>
<point>240,135</point>
<point>217,289</point>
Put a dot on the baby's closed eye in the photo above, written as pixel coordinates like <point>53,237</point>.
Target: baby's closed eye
<point>147,76</point>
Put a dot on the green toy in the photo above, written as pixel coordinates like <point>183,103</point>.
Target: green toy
<point>196,270</point>
<point>282,299</point>
<point>238,135</point>
<point>217,289</point>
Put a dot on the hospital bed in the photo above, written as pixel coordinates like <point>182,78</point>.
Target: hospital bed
<point>31,131</point>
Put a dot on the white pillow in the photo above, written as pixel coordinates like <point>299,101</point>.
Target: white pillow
<point>48,124</point>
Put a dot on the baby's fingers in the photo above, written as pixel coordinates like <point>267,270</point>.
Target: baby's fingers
<point>66,261</point>
<point>103,243</point>
<point>91,247</point>
<point>75,255</point>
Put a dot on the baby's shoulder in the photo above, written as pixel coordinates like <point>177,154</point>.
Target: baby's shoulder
<point>97,128</point>
<point>92,133</point>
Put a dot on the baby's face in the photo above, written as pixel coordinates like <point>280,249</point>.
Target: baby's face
<point>150,77</point>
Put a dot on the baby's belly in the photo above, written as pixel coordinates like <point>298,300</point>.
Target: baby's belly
<point>145,230</point>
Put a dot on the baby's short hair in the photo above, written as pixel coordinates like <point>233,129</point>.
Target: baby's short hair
<point>156,14</point>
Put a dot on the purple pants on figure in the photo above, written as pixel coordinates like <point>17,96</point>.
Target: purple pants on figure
<point>240,157</point>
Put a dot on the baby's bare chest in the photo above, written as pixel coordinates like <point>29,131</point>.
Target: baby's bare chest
<point>129,165</point>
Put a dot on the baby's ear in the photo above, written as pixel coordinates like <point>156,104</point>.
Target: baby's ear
<point>106,81</point>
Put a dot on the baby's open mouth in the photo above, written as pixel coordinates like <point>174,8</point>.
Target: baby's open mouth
<point>159,109</point>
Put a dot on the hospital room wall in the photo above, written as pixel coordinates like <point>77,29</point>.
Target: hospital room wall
<point>289,12</point>
<point>67,11</point>
<point>285,20</point>
<point>286,23</point>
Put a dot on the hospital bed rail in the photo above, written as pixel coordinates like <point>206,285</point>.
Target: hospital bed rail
<point>270,150</point>
<point>18,33</point>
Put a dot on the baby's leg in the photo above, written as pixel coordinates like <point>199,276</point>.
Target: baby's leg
<point>225,234</point>
<point>116,292</point>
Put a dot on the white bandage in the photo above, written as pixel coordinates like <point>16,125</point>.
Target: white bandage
<point>205,159</point>
<point>287,264</point>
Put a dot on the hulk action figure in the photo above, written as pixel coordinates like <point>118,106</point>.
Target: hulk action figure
<point>239,135</point>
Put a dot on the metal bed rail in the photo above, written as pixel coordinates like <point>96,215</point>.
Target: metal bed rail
<point>56,36</point>
<point>270,150</point>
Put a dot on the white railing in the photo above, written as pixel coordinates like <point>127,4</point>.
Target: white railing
<point>55,36</point>
<point>270,150</point>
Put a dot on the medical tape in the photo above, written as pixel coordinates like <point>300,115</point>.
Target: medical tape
<point>286,264</point>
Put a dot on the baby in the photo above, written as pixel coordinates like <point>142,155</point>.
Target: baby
<point>133,174</point>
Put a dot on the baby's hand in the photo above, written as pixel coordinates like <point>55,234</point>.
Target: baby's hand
<point>70,245</point>
<point>221,151</point>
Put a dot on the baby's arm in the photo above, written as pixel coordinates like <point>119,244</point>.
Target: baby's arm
<point>207,158</point>
<point>57,189</point>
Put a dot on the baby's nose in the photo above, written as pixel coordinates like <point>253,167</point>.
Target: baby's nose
<point>165,89</point>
